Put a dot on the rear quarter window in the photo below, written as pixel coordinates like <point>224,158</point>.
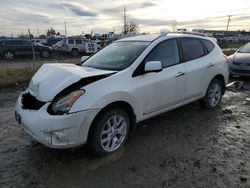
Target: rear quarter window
<point>209,45</point>
<point>192,49</point>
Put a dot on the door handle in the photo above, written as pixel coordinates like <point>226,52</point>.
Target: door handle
<point>210,65</point>
<point>180,74</point>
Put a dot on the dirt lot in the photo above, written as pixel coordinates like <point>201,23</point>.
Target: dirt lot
<point>187,147</point>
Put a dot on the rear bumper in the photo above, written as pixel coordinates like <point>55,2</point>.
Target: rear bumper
<point>55,131</point>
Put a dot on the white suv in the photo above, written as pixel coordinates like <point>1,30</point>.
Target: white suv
<point>133,79</point>
<point>71,45</point>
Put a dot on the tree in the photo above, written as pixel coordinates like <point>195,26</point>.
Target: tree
<point>42,36</point>
<point>51,31</point>
<point>132,27</point>
<point>58,33</point>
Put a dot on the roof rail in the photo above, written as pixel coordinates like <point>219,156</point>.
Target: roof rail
<point>182,32</point>
<point>191,33</point>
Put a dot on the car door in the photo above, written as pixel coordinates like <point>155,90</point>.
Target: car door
<point>158,91</point>
<point>193,54</point>
<point>79,45</point>
<point>26,47</point>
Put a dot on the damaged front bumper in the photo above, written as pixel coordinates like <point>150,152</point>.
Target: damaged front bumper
<point>55,131</point>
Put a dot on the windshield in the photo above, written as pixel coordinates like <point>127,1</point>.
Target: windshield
<point>116,56</point>
<point>245,49</point>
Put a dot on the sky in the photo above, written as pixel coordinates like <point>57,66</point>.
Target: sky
<point>83,16</point>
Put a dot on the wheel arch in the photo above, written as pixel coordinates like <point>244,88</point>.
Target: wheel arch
<point>117,104</point>
<point>222,79</point>
<point>74,49</point>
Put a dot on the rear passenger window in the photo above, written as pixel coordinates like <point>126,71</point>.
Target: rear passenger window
<point>209,45</point>
<point>192,49</point>
<point>11,43</point>
<point>78,41</point>
<point>71,41</point>
<point>166,52</point>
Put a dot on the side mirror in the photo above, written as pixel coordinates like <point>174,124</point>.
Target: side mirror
<point>153,66</point>
<point>83,58</point>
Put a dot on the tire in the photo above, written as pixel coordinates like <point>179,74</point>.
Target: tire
<point>45,54</point>
<point>106,136</point>
<point>74,52</point>
<point>213,94</point>
<point>8,55</point>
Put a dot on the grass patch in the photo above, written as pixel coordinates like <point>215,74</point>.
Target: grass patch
<point>14,77</point>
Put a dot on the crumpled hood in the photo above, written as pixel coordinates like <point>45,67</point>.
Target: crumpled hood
<point>50,79</point>
<point>242,58</point>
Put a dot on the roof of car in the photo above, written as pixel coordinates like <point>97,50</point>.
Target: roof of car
<point>150,38</point>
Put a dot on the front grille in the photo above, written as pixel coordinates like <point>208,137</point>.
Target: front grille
<point>30,102</point>
<point>241,71</point>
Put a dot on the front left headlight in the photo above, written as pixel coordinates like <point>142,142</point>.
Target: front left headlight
<point>63,105</point>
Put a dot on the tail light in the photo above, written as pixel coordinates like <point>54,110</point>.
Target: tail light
<point>227,59</point>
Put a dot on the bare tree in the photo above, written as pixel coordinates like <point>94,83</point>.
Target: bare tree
<point>132,27</point>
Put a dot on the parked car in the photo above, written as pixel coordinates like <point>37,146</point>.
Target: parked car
<point>130,80</point>
<point>35,41</point>
<point>240,61</point>
<point>10,48</point>
<point>70,45</point>
<point>51,41</point>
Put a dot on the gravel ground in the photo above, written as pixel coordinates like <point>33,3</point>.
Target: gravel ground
<point>187,147</point>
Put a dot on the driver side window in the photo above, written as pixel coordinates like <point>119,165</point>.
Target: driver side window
<point>166,52</point>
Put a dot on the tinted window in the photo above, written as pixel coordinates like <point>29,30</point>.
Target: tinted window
<point>209,45</point>
<point>26,43</point>
<point>71,41</point>
<point>166,52</point>
<point>78,41</point>
<point>192,49</point>
<point>245,49</point>
<point>12,43</point>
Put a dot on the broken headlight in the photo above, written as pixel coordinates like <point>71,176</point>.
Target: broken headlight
<point>63,104</point>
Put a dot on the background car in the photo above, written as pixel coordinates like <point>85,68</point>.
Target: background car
<point>239,62</point>
<point>10,48</point>
<point>73,46</point>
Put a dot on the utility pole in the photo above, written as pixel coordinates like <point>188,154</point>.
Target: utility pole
<point>229,19</point>
<point>29,32</point>
<point>65,28</point>
<point>125,18</point>
<point>38,33</point>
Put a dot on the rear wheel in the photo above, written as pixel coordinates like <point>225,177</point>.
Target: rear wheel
<point>109,132</point>
<point>74,52</point>
<point>213,94</point>
<point>8,55</point>
<point>45,54</point>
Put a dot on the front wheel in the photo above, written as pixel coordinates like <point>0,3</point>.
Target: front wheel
<point>213,95</point>
<point>8,55</point>
<point>109,132</point>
